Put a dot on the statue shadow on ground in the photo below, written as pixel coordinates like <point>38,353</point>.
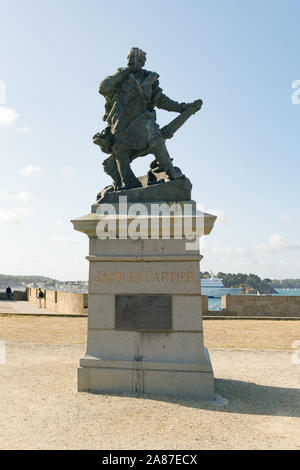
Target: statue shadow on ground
<point>243,397</point>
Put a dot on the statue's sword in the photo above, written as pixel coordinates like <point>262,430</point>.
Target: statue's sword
<point>169,130</point>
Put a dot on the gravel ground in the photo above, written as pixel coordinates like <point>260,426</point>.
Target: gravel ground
<point>40,408</point>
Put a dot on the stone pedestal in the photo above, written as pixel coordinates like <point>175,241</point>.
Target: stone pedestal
<point>145,331</point>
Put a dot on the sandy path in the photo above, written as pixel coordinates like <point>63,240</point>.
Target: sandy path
<point>40,408</point>
<point>240,334</point>
<point>23,307</point>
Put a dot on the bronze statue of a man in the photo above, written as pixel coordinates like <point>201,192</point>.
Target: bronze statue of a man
<point>132,94</point>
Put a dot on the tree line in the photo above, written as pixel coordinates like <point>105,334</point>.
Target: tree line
<point>248,283</point>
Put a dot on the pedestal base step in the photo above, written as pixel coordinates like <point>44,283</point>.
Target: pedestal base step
<point>176,379</point>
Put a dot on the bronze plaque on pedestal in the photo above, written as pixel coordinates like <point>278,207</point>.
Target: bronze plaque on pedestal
<point>144,312</point>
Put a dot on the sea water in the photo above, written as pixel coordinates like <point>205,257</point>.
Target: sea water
<point>216,303</point>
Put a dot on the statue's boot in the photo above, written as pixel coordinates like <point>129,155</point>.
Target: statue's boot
<point>159,150</point>
<point>110,167</point>
<point>128,178</point>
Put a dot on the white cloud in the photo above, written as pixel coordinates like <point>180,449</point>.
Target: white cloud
<point>285,217</point>
<point>61,239</point>
<point>226,250</point>
<point>288,219</point>
<point>32,170</point>
<point>15,215</point>
<point>275,258</point>
<point>9,216</point>
<point>59,222</point>
<point>25,211</point>
<point>276,243</point>
<point>11,213</point>
<point>21,197</point>
<point>25,130</point>
<point>8,116</point>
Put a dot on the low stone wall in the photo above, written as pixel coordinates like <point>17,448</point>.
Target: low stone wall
<point>32,295</point>
<point>17,295</point>
<point>61,302</point>
<point>232,305</point>
<point>257,306</point>
<point>205,310</point>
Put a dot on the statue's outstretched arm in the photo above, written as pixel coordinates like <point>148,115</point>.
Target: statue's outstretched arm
<point>169,105</point>
<point>108,85</point>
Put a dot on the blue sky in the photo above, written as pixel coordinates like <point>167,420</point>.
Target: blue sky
<point>241,150</point>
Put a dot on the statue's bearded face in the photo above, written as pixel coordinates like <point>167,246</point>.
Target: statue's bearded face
<point>136,58</point>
